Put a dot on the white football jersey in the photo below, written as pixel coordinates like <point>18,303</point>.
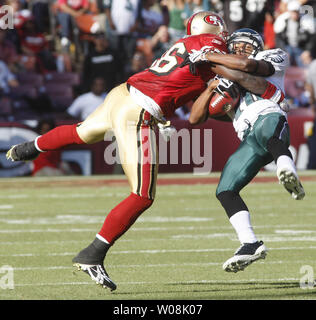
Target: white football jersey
<point>251,105</point>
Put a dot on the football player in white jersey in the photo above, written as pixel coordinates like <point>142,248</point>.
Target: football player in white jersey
<point>261,124</point>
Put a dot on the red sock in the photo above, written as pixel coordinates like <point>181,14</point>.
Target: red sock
<point>59,137</point>
<point>120,219</point>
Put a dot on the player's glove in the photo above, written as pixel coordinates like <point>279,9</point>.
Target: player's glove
<point>227,86</point>
<point>194,58</point>
<point>284,105</point>
<point>166,130</point>
<point>198,55</point>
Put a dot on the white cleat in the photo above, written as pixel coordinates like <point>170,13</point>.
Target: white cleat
<point>245,255</point>
<point>291,183</point>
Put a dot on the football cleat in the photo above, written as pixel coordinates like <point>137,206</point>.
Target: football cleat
<point>23,152</point>
<point>245,255</point>
<point>291,183</point>
<point>90,261</point>
<point>97,273</point>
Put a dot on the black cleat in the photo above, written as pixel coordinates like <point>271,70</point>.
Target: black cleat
<point>90,260</point>
<point>245,255</point>
<point>97,273</point>
<point>23,152</point>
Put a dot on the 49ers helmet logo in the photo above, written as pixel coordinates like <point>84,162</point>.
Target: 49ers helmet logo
<point>211,19</point>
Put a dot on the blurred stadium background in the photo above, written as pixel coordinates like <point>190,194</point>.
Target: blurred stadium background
<point>55,57</point>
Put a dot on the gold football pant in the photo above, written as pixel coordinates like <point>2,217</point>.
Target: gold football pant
<point>133,128</point>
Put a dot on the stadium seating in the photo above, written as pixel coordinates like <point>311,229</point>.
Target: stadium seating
<point>68,78</point>
<point>60,94</point>
<point>25,89</point>
<point>30,78</point>
<point>6,107</point>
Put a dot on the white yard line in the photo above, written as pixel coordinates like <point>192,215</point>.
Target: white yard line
<point>149,251</point>
<point>152,265</point>
<point>137,228</point>
<point>159,282</point>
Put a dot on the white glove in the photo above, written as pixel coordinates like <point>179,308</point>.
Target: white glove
<point>166,130</point>
<point>198,55</point>
<point>284,105</point>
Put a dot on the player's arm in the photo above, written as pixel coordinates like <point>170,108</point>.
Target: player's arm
<point>199,110</point>
<point>255,84</point>
<point>238,62</point>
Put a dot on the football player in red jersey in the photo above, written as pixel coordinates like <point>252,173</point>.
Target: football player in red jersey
<point>131,111</point>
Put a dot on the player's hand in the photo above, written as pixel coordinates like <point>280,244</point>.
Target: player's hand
<point>228,86</point>
<point>197,56</point>
<point>166,130</point>
<point>213,84</point>
<point>193,59</point>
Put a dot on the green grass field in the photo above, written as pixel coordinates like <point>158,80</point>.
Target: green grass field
<point>174,251</point>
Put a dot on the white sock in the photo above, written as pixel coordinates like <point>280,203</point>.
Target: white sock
<point>101,238</point>
<point>242,225</point>
<point>286,162</point>
<point>36,145</point>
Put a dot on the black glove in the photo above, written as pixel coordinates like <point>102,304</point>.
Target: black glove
<point>227,86</point>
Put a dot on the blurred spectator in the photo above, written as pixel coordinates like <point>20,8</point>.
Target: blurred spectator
<point>151,19</point>
<point>293,32</point>
<point>40,11</point>
<point>86,103</point>
<point>8,52</point>
<point>268,32</point>
<point>302,100</point>
<point>138,64</point>
<point>194,6</point>
<point>234,14</point>
<point>177,16</point>
<point>103,62</point>
<point>123,17</point>
<point>155,46</point>
<point>246,14</point>
<point>161,42</point>
<point>255,13</point>
<point>68,11</point>
<point>19,16</point>
<point>34,44</point>
<point>7,79</point>
<point>49,163</point>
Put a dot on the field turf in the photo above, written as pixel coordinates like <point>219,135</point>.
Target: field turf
<point>175,250</point>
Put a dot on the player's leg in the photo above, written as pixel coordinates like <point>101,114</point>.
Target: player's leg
<point>137,148</point>
<point>268,140</point>
<point>240,169</point>
<point>89,131</point>
<point>276,142</point>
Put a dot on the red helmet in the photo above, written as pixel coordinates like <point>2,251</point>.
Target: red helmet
<point>207,22</point>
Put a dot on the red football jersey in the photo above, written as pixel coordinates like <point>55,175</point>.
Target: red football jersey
<point>171,86</point>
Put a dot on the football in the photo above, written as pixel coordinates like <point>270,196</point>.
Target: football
<point>222,102</point>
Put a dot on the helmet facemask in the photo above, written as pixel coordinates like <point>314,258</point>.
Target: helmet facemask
<point>245,39</point>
